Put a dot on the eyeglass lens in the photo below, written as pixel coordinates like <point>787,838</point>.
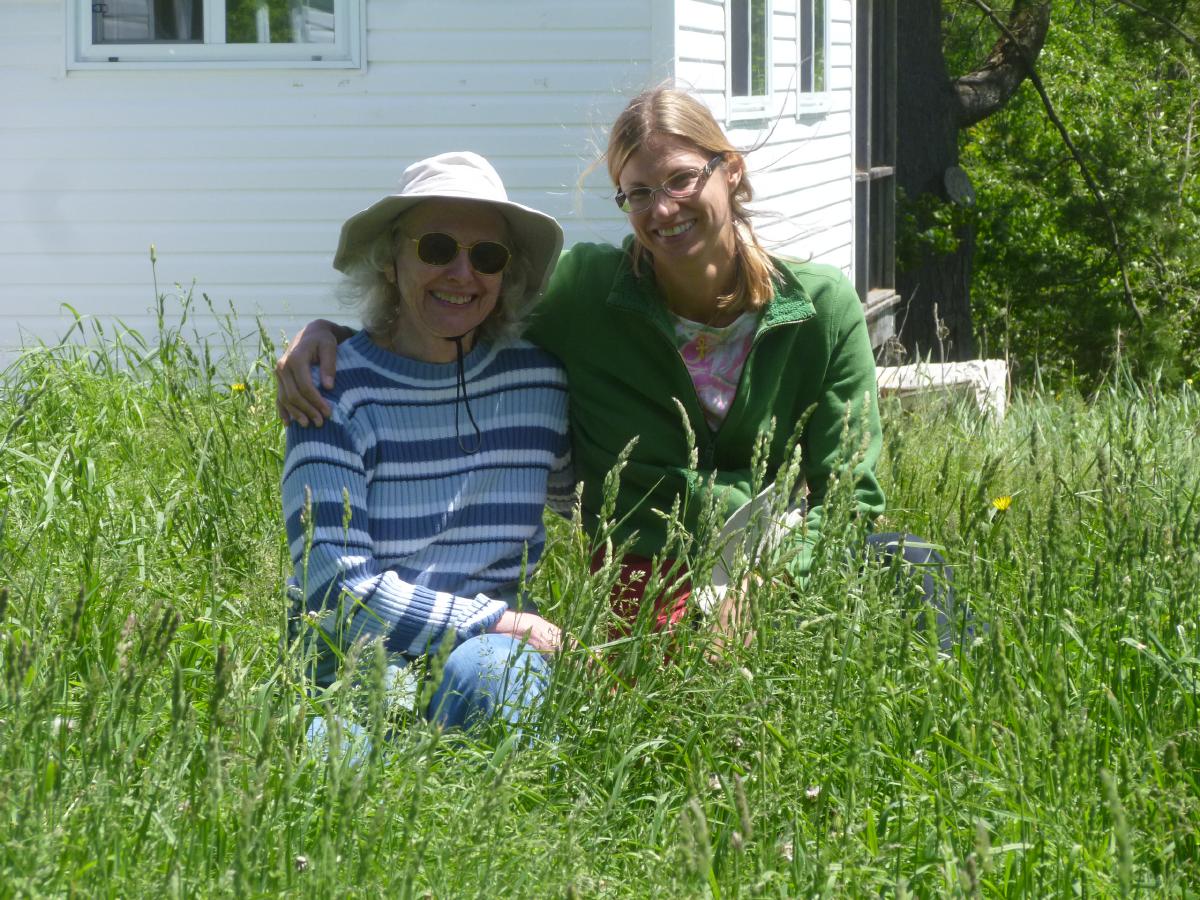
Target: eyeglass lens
<point>439,249</point>
<point>681,184</point>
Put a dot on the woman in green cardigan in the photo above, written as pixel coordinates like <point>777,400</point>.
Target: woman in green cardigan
<point>691,314</point>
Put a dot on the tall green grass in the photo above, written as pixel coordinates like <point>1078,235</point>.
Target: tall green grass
<point>152,707</point>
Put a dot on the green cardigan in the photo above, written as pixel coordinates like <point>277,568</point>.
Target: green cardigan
<point>612,331</point>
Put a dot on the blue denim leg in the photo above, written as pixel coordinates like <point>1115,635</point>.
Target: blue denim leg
<point>400,687</point>
<point>954,624</point>
<point>355,743</point>
<point>489,675</point>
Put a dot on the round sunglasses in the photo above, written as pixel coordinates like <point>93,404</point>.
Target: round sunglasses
<point>437,248</point>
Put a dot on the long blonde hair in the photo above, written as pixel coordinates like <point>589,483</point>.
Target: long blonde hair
<point>667,110</point>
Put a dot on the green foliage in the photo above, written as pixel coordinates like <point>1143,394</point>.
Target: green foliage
<point>927,225</point>
<point>152,712</point>
<point>1047,284</point>
<point>241,19</point>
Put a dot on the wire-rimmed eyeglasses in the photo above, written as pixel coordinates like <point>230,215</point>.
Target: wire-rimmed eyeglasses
<point>682,184</point>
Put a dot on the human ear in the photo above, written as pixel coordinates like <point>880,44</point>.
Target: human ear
<point>734,169</point>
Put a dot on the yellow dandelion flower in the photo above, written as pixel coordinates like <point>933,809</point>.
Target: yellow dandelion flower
<point>1002,502</point>
<point>238,387</point>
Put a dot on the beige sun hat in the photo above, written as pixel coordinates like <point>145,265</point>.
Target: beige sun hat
<point>458,175</point>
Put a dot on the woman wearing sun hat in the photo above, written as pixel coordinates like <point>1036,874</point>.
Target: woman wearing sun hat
<point>693,313</point>
<point>414,510</point>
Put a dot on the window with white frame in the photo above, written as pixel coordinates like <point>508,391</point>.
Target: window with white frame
<point>749,53</point>
<point>813,57</point>
<point>290,33</point>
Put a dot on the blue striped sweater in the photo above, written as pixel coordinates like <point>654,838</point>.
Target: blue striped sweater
<point>410,536</point>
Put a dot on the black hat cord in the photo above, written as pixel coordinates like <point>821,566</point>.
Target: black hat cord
<point>461,392</point>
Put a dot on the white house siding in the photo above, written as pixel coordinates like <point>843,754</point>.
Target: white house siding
<point>242,177</point>
<point>801,164</point>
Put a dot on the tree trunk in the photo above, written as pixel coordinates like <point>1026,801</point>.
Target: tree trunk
<point>937,288</point>
<point>930,110</point>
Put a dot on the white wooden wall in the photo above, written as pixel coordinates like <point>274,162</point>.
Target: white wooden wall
<point>242,177</point>
<point>802,169</point>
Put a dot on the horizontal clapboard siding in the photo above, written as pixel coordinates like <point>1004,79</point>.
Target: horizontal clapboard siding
<point>241,177</point>
<point>801,165</point>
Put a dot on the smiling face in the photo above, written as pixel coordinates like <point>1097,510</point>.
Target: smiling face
<point>439,303</point>
<point>688,231</point>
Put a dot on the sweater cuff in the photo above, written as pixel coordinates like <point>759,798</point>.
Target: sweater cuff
<point>484,617</point>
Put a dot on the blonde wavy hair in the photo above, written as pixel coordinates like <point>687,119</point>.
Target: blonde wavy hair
<point>366,288</point>
<point>668,110</point>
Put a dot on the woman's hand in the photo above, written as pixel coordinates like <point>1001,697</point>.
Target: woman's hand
<point>296,397</point>
<point>731,624</point>
<point>541,635</point>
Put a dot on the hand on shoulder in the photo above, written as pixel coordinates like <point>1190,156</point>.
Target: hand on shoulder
<point>297,398</point>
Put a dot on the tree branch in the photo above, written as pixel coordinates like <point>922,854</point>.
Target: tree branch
<point>1162,20</point>
<point>986,90</point>
<point>1187,154</point>
<point>1118,245</point>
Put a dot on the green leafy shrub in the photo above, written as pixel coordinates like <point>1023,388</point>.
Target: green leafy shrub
<point>1047,284</point>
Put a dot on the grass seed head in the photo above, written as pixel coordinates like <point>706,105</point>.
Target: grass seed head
<point>1171,757</point>
<point>1120,831</point>
<point>983,844</point>
<point>306,510</point>
<point>76,613</point>
<point>695,837</point>
<point>126,643</point>
<point>971,877</point>
<point>743,807</point>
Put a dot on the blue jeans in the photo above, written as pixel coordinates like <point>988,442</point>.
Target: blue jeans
<point>485,677</point>
<point>954,623</point>
<point>488,676</point>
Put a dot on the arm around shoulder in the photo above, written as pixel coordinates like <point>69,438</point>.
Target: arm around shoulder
<point>297,398</point>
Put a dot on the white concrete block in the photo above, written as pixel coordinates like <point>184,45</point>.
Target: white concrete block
<point>986,380</point>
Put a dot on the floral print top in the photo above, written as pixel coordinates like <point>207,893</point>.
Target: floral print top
<point>714,358</point>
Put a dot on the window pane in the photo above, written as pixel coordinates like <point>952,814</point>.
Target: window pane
<point>740,48</point>
<point>758,47</point>
<point>147,21</point>
<point>279,22</point>
<point>806,46</point>
<point>818,45</point>
<point>812,46</point>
